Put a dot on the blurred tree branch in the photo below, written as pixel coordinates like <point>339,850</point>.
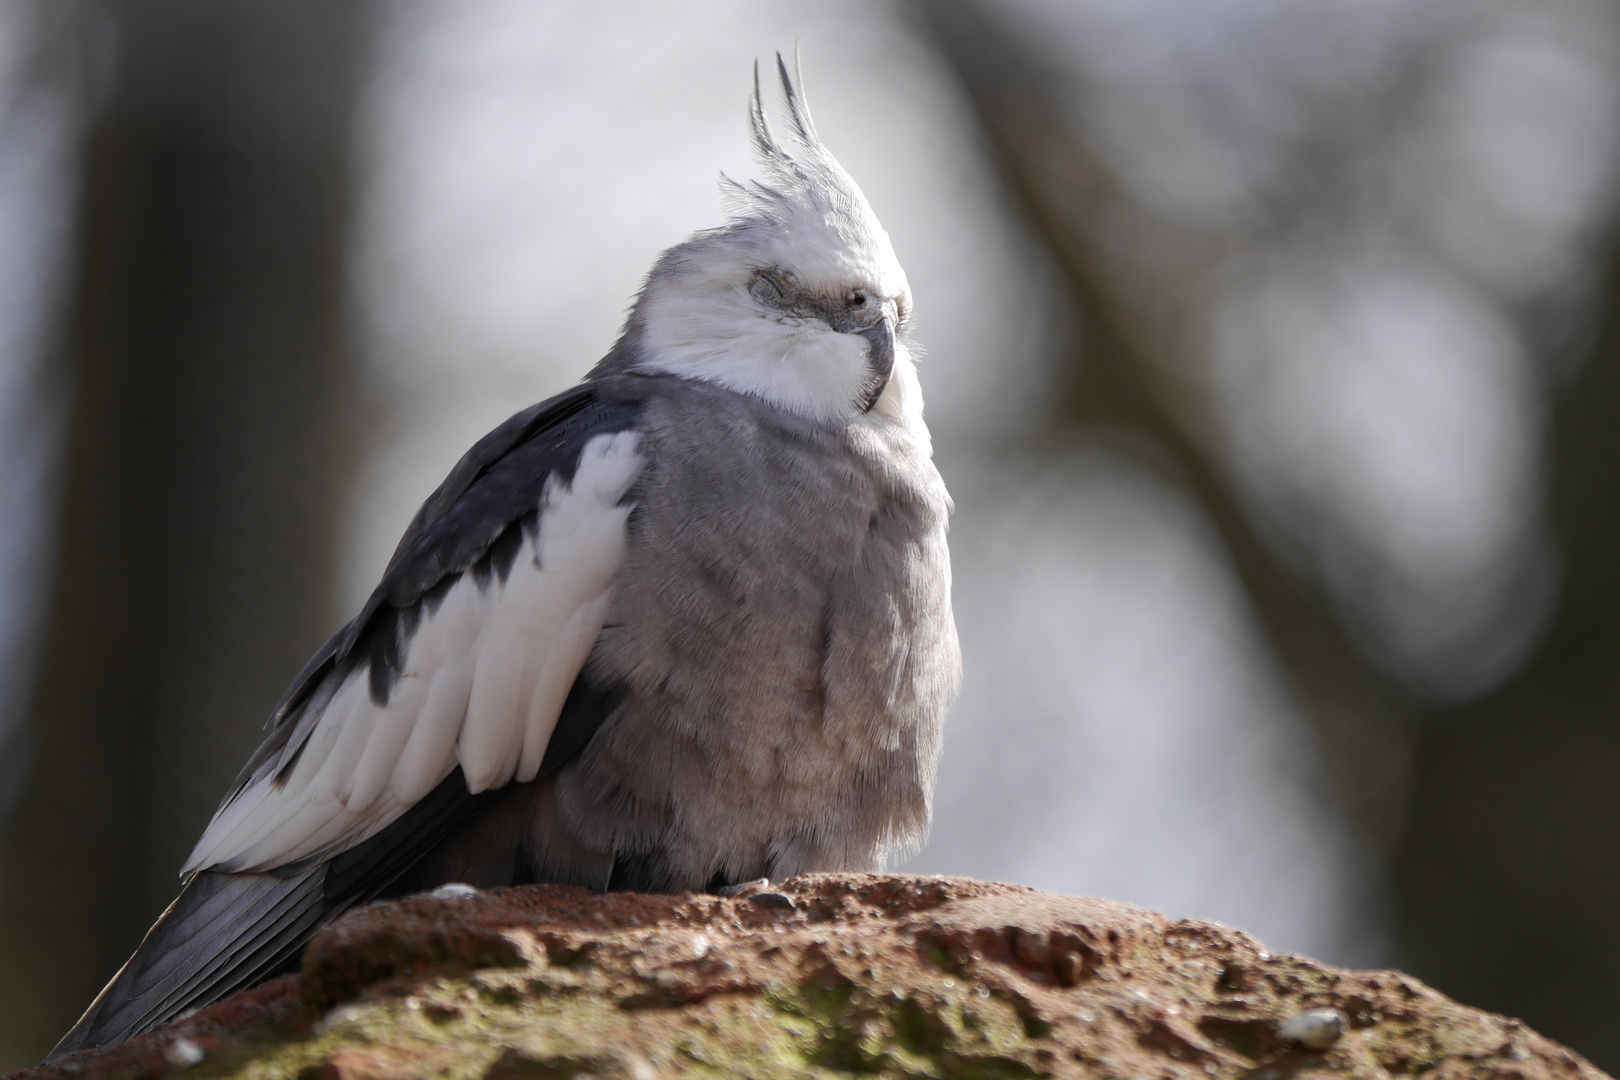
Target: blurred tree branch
<point>1509,879</point>
<point>1137,370</point>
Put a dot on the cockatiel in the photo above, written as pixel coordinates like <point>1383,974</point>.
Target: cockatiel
<point>685,625</point>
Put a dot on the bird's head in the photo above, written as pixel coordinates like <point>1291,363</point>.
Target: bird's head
<point>798,299</point>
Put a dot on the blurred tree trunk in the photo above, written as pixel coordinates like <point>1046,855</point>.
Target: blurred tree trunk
<point>205,456</point>
<point>1509,880</point>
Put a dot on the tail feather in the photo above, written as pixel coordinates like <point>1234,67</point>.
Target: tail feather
<point>213,909</point>
<point>223,932</point>
<point>228,931</point>
<point>277,919</point>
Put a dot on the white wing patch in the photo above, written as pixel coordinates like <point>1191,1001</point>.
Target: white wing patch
<point>482,686</point>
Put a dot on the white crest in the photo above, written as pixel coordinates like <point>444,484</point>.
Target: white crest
<point>808,211</point>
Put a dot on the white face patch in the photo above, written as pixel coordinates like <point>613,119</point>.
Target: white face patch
<point>798,364</point>
<point>700,319</point>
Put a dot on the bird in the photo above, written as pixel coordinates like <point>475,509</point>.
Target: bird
<point>682,626</point>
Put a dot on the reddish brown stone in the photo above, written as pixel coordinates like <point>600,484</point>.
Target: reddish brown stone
<point>876,974</point>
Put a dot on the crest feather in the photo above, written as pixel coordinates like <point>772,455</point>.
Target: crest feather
<point>798,107</point>
<point>805,179</point>
<point>764,141</point>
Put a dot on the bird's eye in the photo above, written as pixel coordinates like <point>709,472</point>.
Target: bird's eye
<point>856,300</point>
<point>769,287</point>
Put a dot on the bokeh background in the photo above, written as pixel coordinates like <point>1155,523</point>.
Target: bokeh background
<point>1273,358</point>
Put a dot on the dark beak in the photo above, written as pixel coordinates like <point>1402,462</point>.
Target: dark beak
<point>880,358</point>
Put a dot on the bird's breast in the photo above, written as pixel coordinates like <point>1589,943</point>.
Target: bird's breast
<point>782,626</point>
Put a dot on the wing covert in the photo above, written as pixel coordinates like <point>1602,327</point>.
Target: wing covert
<point>467,650</point>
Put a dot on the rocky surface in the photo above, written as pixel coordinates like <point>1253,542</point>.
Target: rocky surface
<point>821,976</point>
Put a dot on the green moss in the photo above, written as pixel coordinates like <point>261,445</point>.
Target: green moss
<point>515,1065</point>
<point>511,1024</point>
<point>920,1030</point>
<point>1034,1026</point>
<point>569,959</point>
<point>500,995</point>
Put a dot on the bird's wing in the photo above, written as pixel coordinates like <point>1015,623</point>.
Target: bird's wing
<point>464,654</point>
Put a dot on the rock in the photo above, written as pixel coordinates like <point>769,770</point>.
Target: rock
<point>862,974</point>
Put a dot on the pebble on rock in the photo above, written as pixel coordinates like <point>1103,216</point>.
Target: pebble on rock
<point>1317,1029</point>
<point>454,890</point>
<point>1034,947</point>
<point>774,900</point>
<point>183,1053</point>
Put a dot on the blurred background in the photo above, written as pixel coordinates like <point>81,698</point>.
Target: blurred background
<point>1273,359</point>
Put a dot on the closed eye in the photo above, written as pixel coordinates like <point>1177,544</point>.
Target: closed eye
<point>771,287</point>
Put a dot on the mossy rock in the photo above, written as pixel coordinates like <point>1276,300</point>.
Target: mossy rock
<point>829,975</point>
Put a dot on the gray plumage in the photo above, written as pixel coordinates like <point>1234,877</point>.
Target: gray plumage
<point>783,641</point>
<point>685,625</point>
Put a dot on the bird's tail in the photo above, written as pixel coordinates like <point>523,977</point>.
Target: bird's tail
<point>223,932</point>
<point>227,931</point>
